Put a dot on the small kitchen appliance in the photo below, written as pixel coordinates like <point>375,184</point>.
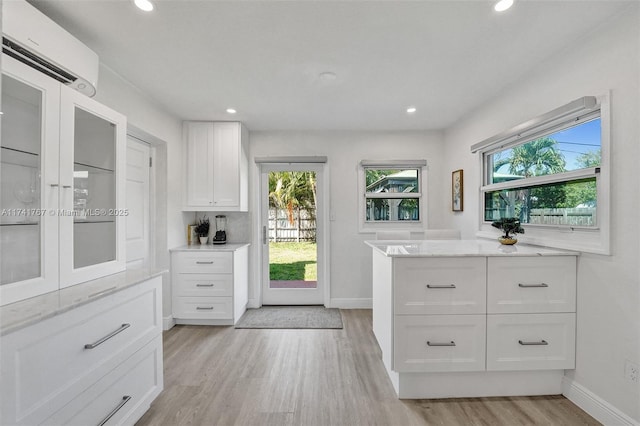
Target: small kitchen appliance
<point>221,230</point>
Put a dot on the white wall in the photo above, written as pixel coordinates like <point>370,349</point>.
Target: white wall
<point>608,286</point>
<point>164,129</point>
<point>350,259</point>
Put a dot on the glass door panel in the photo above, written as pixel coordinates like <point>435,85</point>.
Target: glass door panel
<point>94,190</point>
<point>20,180</point>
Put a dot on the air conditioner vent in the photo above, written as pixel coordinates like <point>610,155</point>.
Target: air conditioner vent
<point>23,55</point>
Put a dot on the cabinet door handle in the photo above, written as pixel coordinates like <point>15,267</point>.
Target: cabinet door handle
<point>451,343</point>
<point>122,328</point>
<point>204,285</point>
<point>441,286</point>
<point>66,186</point>
<point>533,285</point>
<point>125,399</point>
<point>55,185</point>
<point>204,308</point>
<point>204,263</point>
<point>540,343</point>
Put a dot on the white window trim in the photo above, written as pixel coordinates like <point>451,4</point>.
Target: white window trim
<point>370,227</point>
<point>585,239</point>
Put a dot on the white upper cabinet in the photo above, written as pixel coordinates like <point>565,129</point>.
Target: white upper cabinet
<point>62,186</point>
<point>216,166</point>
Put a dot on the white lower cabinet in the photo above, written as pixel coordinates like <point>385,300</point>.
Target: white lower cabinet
<point>123,394</point>
<point>531,341</point>
<point>209,286</point>
<point>64,369</point>
<point>428,343</point>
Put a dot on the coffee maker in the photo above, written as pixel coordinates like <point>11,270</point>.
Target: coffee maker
<point>221,230</point>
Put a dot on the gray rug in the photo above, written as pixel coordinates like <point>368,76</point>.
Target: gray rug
<point>291,317</point>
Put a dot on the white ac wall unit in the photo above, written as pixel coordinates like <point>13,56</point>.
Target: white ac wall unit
<point>32,38</point>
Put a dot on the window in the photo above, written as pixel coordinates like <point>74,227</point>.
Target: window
<point>392,194</point>
<point>551,173</point>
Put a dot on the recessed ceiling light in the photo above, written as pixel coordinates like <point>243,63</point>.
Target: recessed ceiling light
<point>145,5</point>
<point>411,110</point>
<point>503,5</point>
<point>231,111</point>
<point>327,76</point>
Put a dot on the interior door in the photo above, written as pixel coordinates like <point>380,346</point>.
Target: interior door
<point>138,154</point>
<point>292,238</point>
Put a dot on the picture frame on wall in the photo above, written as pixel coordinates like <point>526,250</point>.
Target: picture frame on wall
<point>457,191</point>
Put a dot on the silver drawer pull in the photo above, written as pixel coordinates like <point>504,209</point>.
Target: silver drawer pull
<point>540,343</point>
<point>533,285</point>
<point>451,343</point>
<point>122,328</point>
<point>441,286</point>
<point>204,263</point>
<point>204,285</point>
<point>125,399</point>
<point>204,308</point>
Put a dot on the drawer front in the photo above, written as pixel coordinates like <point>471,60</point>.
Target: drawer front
<point>440,286</point>
<point>437,343</point>
<point>203,308</point>
<point>203,262</point>
<point>531,285</point>
<point>48,364</point>
<point>216,285</point>
<point>120,397</point>
<point>531,341</point>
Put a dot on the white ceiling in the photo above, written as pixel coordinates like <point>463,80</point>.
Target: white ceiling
<point>263,58</point>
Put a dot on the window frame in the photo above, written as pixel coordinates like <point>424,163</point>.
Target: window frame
<point>366,226</point>
<point>591,239</point>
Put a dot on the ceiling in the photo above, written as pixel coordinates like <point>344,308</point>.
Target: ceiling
<point>264,58</point>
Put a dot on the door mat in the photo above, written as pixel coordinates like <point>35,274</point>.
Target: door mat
<point>291,317</point>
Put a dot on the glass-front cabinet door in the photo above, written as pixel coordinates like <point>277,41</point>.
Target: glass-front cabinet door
<point>92,178</point>
<point>29,184</point>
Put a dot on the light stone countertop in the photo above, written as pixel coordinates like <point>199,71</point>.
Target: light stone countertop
<point>26,312</point>
<point>462,248</point>
<point>211,247</point>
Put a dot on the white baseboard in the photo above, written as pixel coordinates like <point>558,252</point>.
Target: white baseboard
<point>168,323</point>
<point>595,406</point>
<point>350,303</point>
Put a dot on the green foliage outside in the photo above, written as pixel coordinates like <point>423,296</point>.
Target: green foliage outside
<point>289,190</point>
<point>293,261</point>
<point>541,157</point>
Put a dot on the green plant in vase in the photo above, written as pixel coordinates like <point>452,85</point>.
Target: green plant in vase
<point>202,229</point>
<point>508,225</point>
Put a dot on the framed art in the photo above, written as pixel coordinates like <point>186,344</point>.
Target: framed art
<point>457,191</point>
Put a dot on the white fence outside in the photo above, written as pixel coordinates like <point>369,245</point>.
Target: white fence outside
<point>303,227</point>
<point>569,217</point>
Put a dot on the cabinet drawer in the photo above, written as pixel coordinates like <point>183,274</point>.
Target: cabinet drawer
<point>203,307</point>
<point>531,341</point>
<point>48,364</point>
<point>125,393</point>
<point>531,284</point>
<point>433,343</point>
<point>203,262</point>
<point>203,285</point>
<point>440,286</point>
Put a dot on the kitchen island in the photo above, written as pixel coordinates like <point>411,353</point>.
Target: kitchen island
<point>462,318</point>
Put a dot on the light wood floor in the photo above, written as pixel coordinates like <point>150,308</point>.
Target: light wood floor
<point>224,376</point>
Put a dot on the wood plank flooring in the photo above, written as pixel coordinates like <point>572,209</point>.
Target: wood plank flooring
<point>224,376</point>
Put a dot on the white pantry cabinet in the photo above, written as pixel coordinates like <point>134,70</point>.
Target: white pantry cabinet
<point>97,362</point>
<point>62,197</point>
<point>217,167</point>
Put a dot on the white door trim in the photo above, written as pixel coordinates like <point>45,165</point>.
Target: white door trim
<point>322,225</point>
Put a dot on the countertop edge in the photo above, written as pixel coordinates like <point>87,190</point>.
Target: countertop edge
<point>211,247</point>
<point>24,313</point>
<point>509,251</point>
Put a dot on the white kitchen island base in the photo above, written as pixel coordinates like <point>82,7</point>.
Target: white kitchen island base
<point>469,319</point>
